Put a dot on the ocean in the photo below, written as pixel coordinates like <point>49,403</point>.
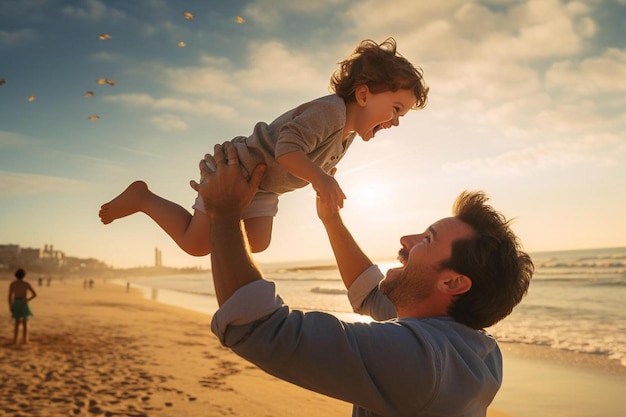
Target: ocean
<point>575,301</point>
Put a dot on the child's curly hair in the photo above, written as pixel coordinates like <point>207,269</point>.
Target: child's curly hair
<point>381,68</point>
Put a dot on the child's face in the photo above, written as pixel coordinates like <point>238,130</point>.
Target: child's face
<point>382,110</point>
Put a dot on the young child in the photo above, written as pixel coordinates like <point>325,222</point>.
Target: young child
<point>373,88</point>
<point>18,304</point>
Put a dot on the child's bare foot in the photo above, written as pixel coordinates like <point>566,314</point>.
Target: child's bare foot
<point>125,204</point>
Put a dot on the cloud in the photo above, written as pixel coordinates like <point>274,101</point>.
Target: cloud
<point>169,122</point>
<point>605,73</point>
<point>12,140</point>
<point>106,57</point>
<point>24,9</point>
<point>556,154</point>
<point>529,30</point>
<point>195,107</point>
<point>93,10</point>
<point>214,76</point>
<point>273,13</point>
<point>221,79</point>
<point>234,91</point>
<point>14,184</point>
<point>8,38</point>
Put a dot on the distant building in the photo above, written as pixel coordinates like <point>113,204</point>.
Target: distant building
<point>158,261</point>
<point>30,256</point>
<point>46,259</point>
<point>51,257</point>
<point>8,254</point>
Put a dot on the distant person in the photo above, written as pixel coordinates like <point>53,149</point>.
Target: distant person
<point>18,304</point>
<point>373,88</point>
<point>426,355</point>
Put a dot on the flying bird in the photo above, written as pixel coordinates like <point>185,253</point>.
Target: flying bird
<point>103,81</point>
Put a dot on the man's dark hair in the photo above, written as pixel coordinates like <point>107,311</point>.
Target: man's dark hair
<point>492,258</point>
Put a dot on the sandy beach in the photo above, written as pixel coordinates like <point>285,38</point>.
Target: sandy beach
<point>106,351</point>
<point>103,351</point>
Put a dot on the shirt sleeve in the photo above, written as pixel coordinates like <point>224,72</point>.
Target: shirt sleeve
<point>366,299</point>
<point>382,367</point>
<point>259,298</point>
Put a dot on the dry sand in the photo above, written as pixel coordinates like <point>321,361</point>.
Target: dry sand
<point>103,351</point>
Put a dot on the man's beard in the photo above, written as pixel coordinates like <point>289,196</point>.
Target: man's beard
<point>408,287</point>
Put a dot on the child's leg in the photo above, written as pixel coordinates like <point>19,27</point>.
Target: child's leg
<point>259,220</point>
<point>191,233</point>
<point>130,201</point>
<point>16,331</point>
<point>25,330</point>
<point>259,232</point>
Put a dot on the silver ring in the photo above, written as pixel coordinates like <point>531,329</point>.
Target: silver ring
<point>233,161</point>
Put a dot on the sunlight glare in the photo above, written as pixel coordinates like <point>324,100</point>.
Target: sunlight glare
<point>370,195</point>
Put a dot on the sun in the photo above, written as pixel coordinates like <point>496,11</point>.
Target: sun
<point>371,195</point>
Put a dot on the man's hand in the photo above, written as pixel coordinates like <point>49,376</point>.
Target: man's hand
<point>226,192</point>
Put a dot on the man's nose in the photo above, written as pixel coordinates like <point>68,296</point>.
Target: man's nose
<point>409,240</point>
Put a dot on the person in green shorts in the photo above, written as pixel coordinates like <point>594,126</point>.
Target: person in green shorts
<point>18,303</point>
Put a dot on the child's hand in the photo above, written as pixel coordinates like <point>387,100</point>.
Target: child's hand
<point>329,191</point>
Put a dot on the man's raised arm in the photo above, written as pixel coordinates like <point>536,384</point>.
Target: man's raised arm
<point>226,193</point>
<point>351,260</point>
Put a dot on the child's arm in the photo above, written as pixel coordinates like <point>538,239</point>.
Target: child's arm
<point>32,291</point>
<point>11,290</point>
<point>327,188</point>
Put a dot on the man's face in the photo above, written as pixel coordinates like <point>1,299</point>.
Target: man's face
<point>421,256</point>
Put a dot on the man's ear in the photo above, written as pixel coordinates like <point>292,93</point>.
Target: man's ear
<point>361,94</point>
<point>455,284</point>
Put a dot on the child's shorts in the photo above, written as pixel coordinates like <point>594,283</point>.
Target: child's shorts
<point>264,204</point>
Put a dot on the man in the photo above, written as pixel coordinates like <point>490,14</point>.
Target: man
<point>428,358</point>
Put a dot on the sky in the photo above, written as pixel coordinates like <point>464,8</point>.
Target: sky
<point>527,103</point>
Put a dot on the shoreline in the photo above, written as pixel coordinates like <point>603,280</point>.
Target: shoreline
<point>115,351</point>
<point>198,303</point>
<point>549,374</point>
